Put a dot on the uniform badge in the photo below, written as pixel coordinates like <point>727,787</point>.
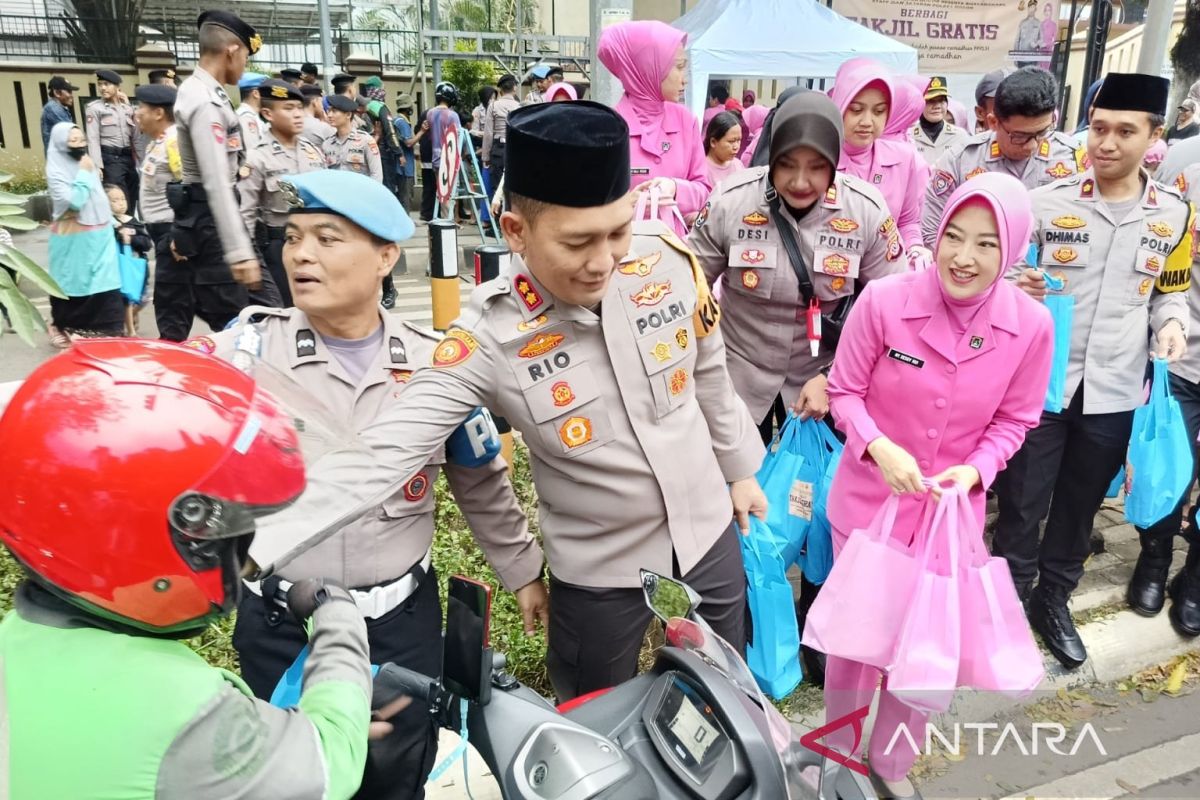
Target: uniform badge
<point>661,351</point>
<point>218,132</point>
<point>234,142</point>
<point>831,194</point>
<point>1064,255</point>
<point>1044,148</point>
<point>843,225</point>
<point>306,343</point>
<point>994,151</point>
<point>837,283</point>
<point>203,344</point>
<point>562,393</point>
<point>835,264</point>
<point>456,348</point>
<point>396,349</point>
<point>642,267</point>
<point>533,324</point>
<point>651,294</point>
<point>576,431</point>
<point>681,338</point>
<point>416,487</point>
<point>1087,189</point>
<point>528,294</point>
<point>1161,229</point>
<point>1152,195</point>
<point>943,182</point>
<point>1059,171</point>
<point>1082,162</point>
<point>666,146</point>
<point>894,248</point>
<point>702,217</point>
<point>976,342</point>
<point>373,146</point>
<point>750,279</point>
<point>877,178</point>
<point>290,195</point>
<point>401,375</point>
<point>679,379</point>
<point>1153,265</point>
<point>541,344</point>
<point>1181,183</point>
<point>975,173</point>
<point>888,226</point>
<point>1144,287</point>
<point>753,256</point>
<point>755,218</point>
<point>1069,222</point>
<point>279,92</point>
<point>244,171</point>
<point>221,95</point>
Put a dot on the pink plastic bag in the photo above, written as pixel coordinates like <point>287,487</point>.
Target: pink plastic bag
<point>650,205</point>
<point>924,673</point>
<point>860,609</point>
<point>998,651</point>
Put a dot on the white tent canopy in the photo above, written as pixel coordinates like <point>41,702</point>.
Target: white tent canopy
<point>777,39</point>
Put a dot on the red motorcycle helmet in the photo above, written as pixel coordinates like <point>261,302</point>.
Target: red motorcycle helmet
<point>134,470</point>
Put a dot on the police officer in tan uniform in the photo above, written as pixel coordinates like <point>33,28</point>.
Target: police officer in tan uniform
<point>316,129</point>
<point>214,262</point>
<point>1123,246</point>
<point>248,110</point>
<point>1022,142</point>
<point>933,135</point>
<point>155,118</point>
<point>280,152</point>
<point>357,361</point>
<point>111,133</point>
<point>349,148</point>
<point>610,361</point>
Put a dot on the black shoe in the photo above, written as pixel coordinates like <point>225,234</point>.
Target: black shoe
<point>389,293</point>
<point>1185,596</point>
<point>1148,587</point>
<point>1050,617</point>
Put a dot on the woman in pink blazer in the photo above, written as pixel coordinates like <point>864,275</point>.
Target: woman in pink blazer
<point>863,92</point>
<point>940,374</point>
<point>666,147</point>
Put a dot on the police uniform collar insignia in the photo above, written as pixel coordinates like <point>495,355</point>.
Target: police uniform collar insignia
<point>1044,149</point>
<point>1087,189</point>
<point>528,293</point>
<point>1151,195</point>
<point>831,194</point>
<point>306,343</point>
<point>994,151</point>
<point>1181,183</point>
<point>976,342</point>
<point>396,350</point>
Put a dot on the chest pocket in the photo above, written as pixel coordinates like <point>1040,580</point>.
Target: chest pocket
<point>1055,256</point>
<point>1146,269</point>
<point>751,268</point>
<point>274,199</point>
<point>660,313</point>
<point>414,498</point>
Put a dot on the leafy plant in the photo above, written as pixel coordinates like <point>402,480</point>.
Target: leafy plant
<point>26,320</point>
<point>468,77</point>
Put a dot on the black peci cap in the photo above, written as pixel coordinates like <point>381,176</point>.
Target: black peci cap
<point>1133,91</point>
<point>233,23</point>
<point>342,103</point>
<point>156,94</point>
<point>568,154</point>
<point>276,89</point>
<point>308,68</point>
<point>108,75</point>
<point>342,80</point>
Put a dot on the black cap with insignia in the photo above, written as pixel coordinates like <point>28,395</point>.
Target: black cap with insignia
<point>342,80</point>
<point>159,75</point>
<point>155,94</point>
<point>108,75</point>
<point>278,90</point>
<point>290,74</point>
<point>1133,91</point>
<point>233,23</point>
<point>568,154</point>
<point>342,103</point>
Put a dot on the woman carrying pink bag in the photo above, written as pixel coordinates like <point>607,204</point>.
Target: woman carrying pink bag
<point>939,373</point>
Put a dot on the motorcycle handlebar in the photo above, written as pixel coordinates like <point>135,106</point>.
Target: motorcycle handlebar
<point>393,680</point>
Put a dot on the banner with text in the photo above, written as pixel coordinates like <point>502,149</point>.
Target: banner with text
<point>963,36</point>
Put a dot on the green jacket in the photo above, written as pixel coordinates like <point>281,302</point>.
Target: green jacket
<point>90,713</point>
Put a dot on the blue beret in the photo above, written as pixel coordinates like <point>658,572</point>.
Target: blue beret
<point>251,80</point>
<point>359,198</point>
<point>539,71</point>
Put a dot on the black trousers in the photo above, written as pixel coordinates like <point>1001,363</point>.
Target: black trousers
<point>200,286</point>
<point>596,634</point>
<point>1188,396</point>
<point>404,185</point>
<point>270,243</point>
<point>1063,469</point>
<point>268,640</point>
<point>497,156</point>
<point>428,193</point>
<point>119,170</point>
<point>774,419</point>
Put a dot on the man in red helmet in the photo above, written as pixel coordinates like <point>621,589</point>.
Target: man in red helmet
<point>136,472</point>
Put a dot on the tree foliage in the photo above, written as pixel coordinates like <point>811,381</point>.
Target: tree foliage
<point>26,320</point>
<point>468,77</point>
<point>103,30</point>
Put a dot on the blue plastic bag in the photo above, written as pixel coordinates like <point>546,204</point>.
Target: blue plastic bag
<point>775,476</point>
<point>133,275</point>
<point>1114,488</point>
<point>1062,311</point>
<point>774,653</point>
<point>287,691</point>
<point>1159,467</point>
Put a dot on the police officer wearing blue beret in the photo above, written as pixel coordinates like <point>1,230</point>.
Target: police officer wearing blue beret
<point>341,239</point>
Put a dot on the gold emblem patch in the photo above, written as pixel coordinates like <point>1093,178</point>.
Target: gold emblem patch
<point>562,393</point>
<point>753,256</point>
<point>575,431</point>
<point>541,344</point>
<point>749,279</point>
<point>1069,222</point>
<point>755,218</point>
<point>1064,255</point>
<point>1153,264</point>
<point>1161,229</point>
<point>641,267</point>
<point>1059,171</point>
<point>681,338</point>
<point>1144,287</point>
<point>679,379</point>
<point>661,351</point>
<point>651,294</point>
<point>975,173</point>
<point>533,324</point>
<point>837,283</point>
<point>456,348</point>
<point>835,264</point>
<point>843,225</point>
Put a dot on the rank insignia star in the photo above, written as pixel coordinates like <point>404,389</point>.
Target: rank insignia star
<point>661,351</point>
<point>755,218</point>
<point>642,267</point>
<point>651,294</point>
<point>575,432</point>
<point>1161,229</point>
<point>679,379</point>
<point>562,394</point>
<point>526,291</point>
<point>843,225</point>
<point>1087,189</point>
<point>1059,171</point>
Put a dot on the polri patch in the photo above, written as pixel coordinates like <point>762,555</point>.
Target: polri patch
<point>905,358</point>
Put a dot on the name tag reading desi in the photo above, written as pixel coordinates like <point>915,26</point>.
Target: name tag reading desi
<point>905,358</point>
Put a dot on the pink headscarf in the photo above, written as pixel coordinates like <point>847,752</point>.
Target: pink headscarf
<point>754,117</point>
<point>852,77</point>
<point>560,88</point>
<point>1008,200</point>
<point>640,54</point>
<point>959,112</point>
<point>908,101</point>
<point>1156,153</point>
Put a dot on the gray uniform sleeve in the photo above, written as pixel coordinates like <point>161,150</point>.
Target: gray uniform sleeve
<point>344,483</point>
<point>709,241</point>
<point>875,261</point>
<point>92,128</point>
<point>489,131</point>
<point>251,189</point>
<point>497,522</point>
<point>212,160</point>
<point>374,162</point>
<point>943,180</point>
<point>240,747</point>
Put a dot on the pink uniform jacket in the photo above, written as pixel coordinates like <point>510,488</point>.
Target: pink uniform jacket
<point>901,176</point>
<point>946,399</point>
<point>679,155</point>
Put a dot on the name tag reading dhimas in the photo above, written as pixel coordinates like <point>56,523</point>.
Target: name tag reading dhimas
<point>905,358</point>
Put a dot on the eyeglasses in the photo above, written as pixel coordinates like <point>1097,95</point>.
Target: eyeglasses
<point>1020,137</point>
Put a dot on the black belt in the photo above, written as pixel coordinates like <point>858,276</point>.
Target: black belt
<point>196,194</point>
<point>115,151</point>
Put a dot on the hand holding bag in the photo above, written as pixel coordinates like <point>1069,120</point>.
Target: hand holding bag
<point>1159,468</point>
<point>774,653</point>
<point>650,205</point>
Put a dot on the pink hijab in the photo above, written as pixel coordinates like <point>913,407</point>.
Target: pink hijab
<point>1008,200</point>
<point>640,54</point>
<point>959,112</point>
<point>852,77</point>
<point>908,101</point>
<point>560,88</point>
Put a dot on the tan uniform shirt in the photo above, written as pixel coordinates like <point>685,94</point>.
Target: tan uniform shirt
<point>1128,279</point>
<point>358,152</point>
<point>384,544</point>
<point>632,423</point>
<point>210,147</point>
<point>930,150</point>
<point>495,122</point>
<point>316,131</point>
<point>160,166</point>
<point>262,198</point>
<point>108,125</point>
<point>253,126</point>
<point>1057,157</point>
<point>847,239</point>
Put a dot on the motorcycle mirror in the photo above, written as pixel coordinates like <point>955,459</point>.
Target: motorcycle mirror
<point>667,597</point>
